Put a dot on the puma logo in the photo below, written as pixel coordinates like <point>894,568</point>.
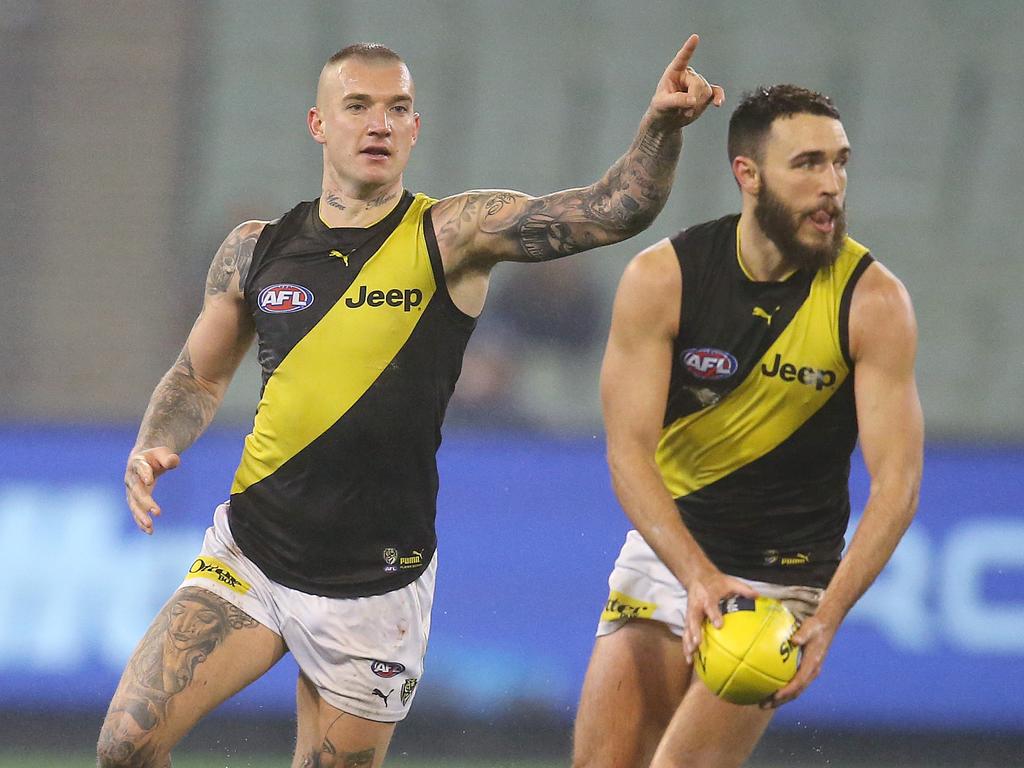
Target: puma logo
<point>341,256</point>
<point>384,696</point>
<point>764,314</point>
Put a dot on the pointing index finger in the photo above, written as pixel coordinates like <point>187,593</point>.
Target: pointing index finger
<point>682,59</point>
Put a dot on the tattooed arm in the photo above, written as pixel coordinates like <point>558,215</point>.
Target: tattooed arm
<point>477,229</point>
<point>187,397</point>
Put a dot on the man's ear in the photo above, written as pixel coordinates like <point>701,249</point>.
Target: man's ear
<point>316,125</point>
<point>747,174</point>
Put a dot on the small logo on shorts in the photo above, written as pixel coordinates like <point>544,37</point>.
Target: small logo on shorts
<point>407,688</point>
<point>206,567</point>
<point>622,607</point>
<point>390,556</point>
<point>383,696</point>
<point>386,668</point>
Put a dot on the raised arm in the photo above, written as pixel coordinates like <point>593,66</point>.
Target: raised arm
<point>188,395</point>
<point>634,389</point>
<point>883,341</point>
<point>480,228</point>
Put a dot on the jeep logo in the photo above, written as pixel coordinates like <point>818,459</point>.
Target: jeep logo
<point>812,377</point>
<point>396,297</point>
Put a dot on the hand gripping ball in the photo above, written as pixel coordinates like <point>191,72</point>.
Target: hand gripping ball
<point>750,657</point>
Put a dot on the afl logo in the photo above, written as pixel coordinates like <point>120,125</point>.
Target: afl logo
<point>284,297</point>
<point>709,363</point>
<point>386,668</point>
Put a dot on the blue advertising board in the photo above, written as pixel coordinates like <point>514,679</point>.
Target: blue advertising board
<point>528,529</point>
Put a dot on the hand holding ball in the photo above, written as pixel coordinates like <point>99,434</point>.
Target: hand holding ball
<point>750,657</point>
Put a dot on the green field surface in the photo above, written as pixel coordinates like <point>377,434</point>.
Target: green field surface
<point>185,760</point>
<point>41,759</point>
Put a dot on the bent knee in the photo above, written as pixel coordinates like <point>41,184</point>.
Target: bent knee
<point>119,748</point>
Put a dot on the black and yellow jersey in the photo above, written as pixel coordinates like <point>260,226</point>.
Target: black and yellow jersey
<point>760,421</point>
<point>360,346</point>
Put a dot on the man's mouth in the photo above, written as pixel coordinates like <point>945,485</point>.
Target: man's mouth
<point>376,152</point>
<point>824,221</point>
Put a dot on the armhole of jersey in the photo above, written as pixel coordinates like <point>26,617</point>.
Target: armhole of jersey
<point>434,252</point>
<point>677,246</point>
<point>844,306</point>
<point>258,252</point>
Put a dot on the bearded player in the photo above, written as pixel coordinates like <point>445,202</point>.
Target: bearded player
<point>744,355</point>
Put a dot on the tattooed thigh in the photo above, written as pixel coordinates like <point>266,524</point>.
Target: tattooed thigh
<point>189,628</point>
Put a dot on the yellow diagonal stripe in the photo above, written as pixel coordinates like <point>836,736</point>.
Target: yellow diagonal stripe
<point>340,358</point>
<point>762,412</point>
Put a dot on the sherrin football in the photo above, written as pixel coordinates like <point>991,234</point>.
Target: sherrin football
<point>750,657</point>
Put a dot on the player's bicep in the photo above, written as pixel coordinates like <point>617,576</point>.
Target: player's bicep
<point>218,341</point>
<point>637,364</point>
<point>481,227</point>
<point>883,343</point>
<point>224,329</point>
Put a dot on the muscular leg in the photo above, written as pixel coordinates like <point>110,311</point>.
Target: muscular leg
<point>330,738</point>
<point>198,651</point>
<point>636,679</point>
<point>707,732</point>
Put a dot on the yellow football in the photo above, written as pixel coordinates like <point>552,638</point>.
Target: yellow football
<point>750,657</point>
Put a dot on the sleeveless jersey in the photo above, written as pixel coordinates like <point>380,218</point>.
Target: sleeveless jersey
<point>360,346</point>
<point>760,420</point>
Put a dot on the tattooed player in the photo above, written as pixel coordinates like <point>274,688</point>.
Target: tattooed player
<point>362,302</point>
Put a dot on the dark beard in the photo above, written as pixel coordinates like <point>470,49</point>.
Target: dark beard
<point>779,223</point>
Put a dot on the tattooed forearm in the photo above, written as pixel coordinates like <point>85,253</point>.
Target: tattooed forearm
<point>624,202</point>
<point>233,259</point>
<point>179,410</point>
<point>652,142</point>
<point>183,403</point>
<point>543,238</point>
<point>505,225</point>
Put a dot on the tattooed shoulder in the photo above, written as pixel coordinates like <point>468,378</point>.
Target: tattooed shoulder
<point>233,258</point>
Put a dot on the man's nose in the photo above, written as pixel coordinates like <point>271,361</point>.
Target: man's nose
<point>832,181</point>
<point>380,122</point>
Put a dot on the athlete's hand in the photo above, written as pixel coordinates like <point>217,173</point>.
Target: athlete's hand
<point>683,94</point>
<point>814,638</point>
<point>702,598</point>
<point>140,477</point>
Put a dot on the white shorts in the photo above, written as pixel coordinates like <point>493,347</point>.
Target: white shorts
<point>363,654</point>
<point>642,587</point>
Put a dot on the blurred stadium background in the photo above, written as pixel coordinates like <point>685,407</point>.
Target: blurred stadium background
<point>134,135</point>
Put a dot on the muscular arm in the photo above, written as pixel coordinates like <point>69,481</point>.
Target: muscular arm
<point>634,391</point>
<point>883,340</point>
<point>188,395</point>
<point>489,226</point>
<point>478,229</point>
